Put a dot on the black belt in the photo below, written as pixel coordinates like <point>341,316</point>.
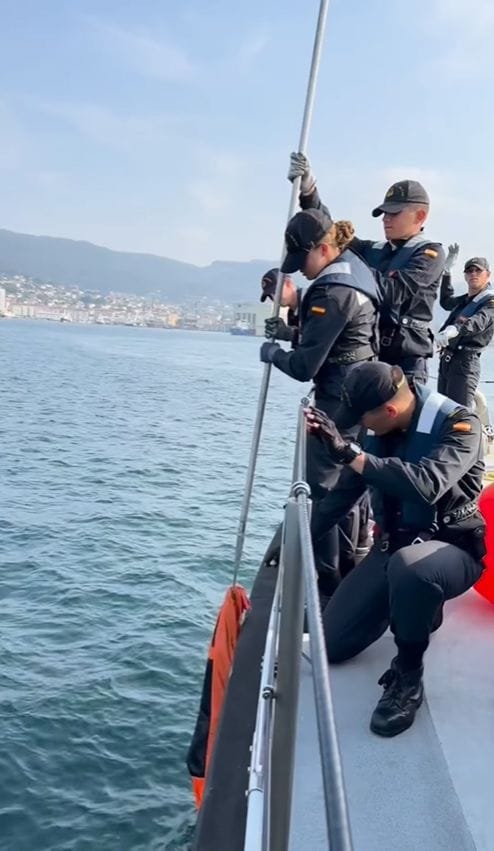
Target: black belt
<point>474,350</point>
<point>414,323</point>
<point>361,353</point>
<point>387,338</point>
<point>405,537</point>
<point>462,513</point>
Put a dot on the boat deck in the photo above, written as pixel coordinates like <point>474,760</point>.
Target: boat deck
<point>429,788</point>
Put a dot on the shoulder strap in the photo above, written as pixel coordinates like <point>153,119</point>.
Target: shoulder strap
<point>402,255</point>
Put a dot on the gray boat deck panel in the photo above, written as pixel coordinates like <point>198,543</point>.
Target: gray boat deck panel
<point>430,788</point>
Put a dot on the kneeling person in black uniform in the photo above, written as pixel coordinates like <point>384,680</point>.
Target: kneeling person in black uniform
<point>424,466</point>
<point>468,329</point>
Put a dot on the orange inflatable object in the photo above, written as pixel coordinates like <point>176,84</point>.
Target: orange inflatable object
<point>220,660</point>
<point>485,585</point>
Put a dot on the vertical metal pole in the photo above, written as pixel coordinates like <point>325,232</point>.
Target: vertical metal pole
<point>287,684</point>
<point>263,392</point>
<point>299,473</point>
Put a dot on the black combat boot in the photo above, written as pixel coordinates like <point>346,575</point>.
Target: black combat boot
<point>403,694</point>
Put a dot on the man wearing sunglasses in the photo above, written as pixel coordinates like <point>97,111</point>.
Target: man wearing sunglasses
<point>466,332</point>
<point>408,268</point>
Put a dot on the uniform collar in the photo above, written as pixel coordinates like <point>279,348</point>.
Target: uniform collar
<point>327,269</point>
<point>398,243</point>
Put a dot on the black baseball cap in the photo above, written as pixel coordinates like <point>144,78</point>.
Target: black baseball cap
<point>399,195</point>
<point>479,262</point>
<point>303,232</point>
<point>268,284</point>
<point>369,385</point>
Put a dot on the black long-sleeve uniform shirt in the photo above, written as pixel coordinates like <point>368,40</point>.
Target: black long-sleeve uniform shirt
<point>450,477</point>
<point>334,320</point>
<point>476,331</point>
<point>407,292</point>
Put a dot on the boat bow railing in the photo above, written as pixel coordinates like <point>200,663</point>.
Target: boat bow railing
<point>273,750</point>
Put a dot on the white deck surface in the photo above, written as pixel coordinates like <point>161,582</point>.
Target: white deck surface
<point>429,788</point>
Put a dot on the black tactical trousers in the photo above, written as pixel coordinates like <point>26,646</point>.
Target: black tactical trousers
<point>414,367</point>
<point>322,473</point>
<point>459,375</point>
<point>404,590</point>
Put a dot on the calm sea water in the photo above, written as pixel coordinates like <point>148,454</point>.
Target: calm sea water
<point>123,459</point>
<point>123,455</point>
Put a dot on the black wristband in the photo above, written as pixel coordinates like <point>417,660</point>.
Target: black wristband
<point>350,451</point>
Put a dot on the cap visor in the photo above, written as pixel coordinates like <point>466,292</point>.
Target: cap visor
<point>345,417</point>
<point>265,296</point>
<point>390,207</point>
<point>293,262</point>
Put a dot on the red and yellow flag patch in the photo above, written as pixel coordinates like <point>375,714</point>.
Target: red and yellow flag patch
<point>320,310</point>
<point>463,427</point>
<point>430,252</point>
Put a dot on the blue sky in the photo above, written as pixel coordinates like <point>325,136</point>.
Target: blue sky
<point>166,125</point>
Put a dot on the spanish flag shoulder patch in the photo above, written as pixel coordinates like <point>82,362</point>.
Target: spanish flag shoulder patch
<point>463,427</point>
<point>320,310</point>
<point>431,252</point>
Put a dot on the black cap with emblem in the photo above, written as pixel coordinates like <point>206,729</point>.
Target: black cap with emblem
<point>268,284</point>
<point>369,385</point>
<point>303,232</point>
<point>399,195</point>
<point>477,263</point>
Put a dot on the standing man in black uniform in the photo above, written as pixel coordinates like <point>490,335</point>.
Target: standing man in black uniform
<point>409,268</point>
<point>424,466</point>
<point>466,332</point>
<point>337,330</point>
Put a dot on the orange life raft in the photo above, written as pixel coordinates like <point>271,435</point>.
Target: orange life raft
<point>219,664</point>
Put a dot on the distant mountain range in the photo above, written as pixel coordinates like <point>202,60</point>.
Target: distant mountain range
<point>91,267</point>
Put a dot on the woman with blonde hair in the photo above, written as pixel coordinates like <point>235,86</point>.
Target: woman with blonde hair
<point>337,330</point>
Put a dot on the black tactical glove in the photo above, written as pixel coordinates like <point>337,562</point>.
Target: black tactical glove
<point>341,450</point>
<point>268,351</point>
<point>276,328</point>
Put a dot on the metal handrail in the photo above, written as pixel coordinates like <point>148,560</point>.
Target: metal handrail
<point>299,473</point>
<point>257,824</point>
<point>287,684</point>
<point>273,749</point>
<point>337,816</point>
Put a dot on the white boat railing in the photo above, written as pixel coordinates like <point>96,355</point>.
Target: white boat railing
<point>273,748</point>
